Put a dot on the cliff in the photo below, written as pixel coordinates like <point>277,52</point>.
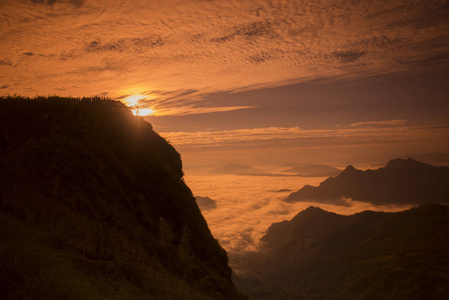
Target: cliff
<point>93,205</point>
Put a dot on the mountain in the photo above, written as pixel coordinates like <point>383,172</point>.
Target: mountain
<point>313,170</point>
<point>245,170</point>
<point>93,206</point>
<point>232,169</point>
<point>401,181</point>
<point>369,255</point>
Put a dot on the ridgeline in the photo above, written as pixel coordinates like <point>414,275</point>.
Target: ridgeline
<point>401,181</point>
<point>368,255</point>
<point>94,206</point>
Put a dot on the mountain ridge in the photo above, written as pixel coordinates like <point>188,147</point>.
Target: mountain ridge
<point>367,255</point>
<point>400,181</point>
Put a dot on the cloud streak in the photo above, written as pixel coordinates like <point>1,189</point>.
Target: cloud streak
<point>377,123</point>
<point>295,136</point>
<point>184,110</point>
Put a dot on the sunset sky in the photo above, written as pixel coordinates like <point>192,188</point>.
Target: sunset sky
<point>265,84</point>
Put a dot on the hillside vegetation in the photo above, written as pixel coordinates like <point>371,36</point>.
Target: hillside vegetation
<point>93,206</point>
<point>369,255</point>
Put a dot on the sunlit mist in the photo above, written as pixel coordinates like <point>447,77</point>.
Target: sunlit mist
<point>134,102</point>
<point>246,205</point>
<point>143,112</point>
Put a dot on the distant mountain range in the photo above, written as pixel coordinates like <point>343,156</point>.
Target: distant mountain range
<point>237,169</point>
<point>297,170</point>
<point>369,255</point>
<point>401,181</point>
<point>245,170</point>
<point>313,170</point>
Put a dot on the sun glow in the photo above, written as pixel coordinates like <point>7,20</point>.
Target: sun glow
<point>137,109</point>
<point>133,100</point>
<point>142,111</point>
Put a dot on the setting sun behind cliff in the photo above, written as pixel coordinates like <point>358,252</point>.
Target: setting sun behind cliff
<point>133,102</point>
<point>143,112</point>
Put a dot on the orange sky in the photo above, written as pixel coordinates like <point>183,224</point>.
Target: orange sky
<point>262,83</point>
<point>177,52</point>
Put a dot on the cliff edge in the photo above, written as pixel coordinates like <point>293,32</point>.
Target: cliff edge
<point>93,205</point>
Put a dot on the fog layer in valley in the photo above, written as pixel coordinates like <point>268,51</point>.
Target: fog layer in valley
<point>246,205</point>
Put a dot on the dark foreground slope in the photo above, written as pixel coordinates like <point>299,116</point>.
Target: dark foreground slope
<point>93,206</point>
<point>369,255</point>
<point>401,181</point>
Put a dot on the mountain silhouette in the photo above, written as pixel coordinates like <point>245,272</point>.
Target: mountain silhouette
<point>232,169</point>
<point>401,181</point>
<point>245,170</point>
<point>368,255</point>
<point>313,170</point>
<point>93,206</point>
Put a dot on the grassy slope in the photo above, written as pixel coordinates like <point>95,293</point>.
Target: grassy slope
<point>105,195</point>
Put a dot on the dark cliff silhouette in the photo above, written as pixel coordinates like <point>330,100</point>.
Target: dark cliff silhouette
<point>401,181</point>
<point>94,206</point>
<point>369,255</point>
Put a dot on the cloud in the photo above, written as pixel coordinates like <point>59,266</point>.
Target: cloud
<point>375,123</point>
<point>282,191</point>
<point>294,136</point>
<point>314,170</point>
<point>184,110</point>
<point>76,3</point>
<point>247,206</point>
<point>348,56</point>
<point>98,46</point>
<point>245,170</point>
<point>178,102</point>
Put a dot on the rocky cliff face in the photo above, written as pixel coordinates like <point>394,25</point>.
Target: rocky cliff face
<point>105,195</point>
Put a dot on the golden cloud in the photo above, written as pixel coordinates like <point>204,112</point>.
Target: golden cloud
<point>96,47</point>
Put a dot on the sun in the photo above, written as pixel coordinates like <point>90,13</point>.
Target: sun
<point>133,103</point>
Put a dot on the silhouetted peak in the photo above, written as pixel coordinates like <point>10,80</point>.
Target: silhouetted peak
<point>400,181</point>
<point>349,170</point>
<point>398,163</point>
<point>312,211</point>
